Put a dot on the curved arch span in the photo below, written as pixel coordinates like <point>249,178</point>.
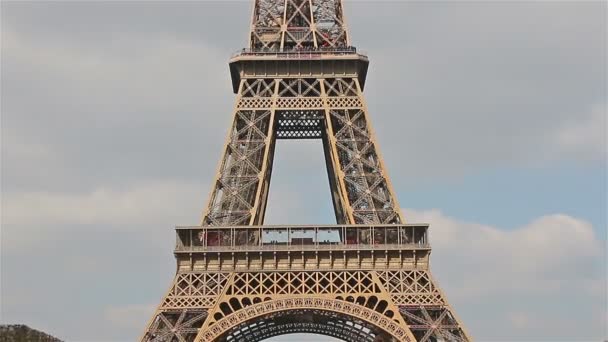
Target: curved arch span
<point>332,317</point>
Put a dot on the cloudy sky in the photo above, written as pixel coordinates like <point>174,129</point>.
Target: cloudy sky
<point>491,117</point>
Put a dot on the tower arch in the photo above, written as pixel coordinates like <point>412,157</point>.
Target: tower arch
<point>337,318</point>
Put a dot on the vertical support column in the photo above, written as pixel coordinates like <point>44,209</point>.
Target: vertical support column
<point>261,197</point>
<point>372,135</point>
<point>284,25</point>
<point>368,196</point>
<point>313,25</point>
<point>213,194</point>
<point>342,208</point>
<point>244,169</point>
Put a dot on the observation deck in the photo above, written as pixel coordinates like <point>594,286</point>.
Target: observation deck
<point>303,62</point>
<point>302,247</point>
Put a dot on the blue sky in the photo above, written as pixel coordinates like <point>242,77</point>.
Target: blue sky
<point>510,197</point>
<point>491,117</point>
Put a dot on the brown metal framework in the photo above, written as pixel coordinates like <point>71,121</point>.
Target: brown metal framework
<point>366,278</point>
<point>280,25</point>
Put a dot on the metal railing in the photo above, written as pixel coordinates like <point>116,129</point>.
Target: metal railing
<point>292,247</point>
<point>302,238</point>
<point>299,53</point>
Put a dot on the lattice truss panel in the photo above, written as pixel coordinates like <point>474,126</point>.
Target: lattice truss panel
<point>257,88</point>
<point>433,323</point>
<point>194,290</point>
<point>422,305</point>
<point>256,94</point>
<point>264,284</point>
<point>176,325</point>
<point>411,287</point>
<point>185,307</point>
<point>300,93</point>
<point>297,24</point>
<point>368,191</point>
<point>299,87</point>
<point>234,196</point>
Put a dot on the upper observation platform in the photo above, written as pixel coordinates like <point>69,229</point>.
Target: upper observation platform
<point>309,62</point>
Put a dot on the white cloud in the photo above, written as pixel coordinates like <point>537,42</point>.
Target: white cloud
<point>114,112</point>
<point>132,72</point>
<point>553,261</point>
<point>140,204</point>
<point>537,252</point>
<point>32,219</point>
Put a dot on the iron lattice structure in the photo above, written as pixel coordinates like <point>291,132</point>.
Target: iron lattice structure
<point>366,278</point>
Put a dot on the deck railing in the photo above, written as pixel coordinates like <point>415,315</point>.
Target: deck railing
<point>298,53</point>
<point>289,238</point>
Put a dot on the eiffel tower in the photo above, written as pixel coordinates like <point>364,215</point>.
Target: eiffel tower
<point>367,277</point>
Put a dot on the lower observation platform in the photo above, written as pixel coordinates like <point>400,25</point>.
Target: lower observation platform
<point>302,247</point>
